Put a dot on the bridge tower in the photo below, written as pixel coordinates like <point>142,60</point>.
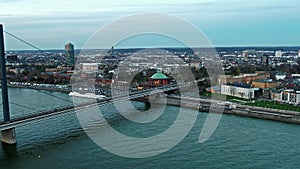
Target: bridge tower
<point>7,135</point>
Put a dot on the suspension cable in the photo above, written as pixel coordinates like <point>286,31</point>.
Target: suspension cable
<point>43,51</point>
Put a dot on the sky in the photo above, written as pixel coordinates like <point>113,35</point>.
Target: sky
<point>51,24</point>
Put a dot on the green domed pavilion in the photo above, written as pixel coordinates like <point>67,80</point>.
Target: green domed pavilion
<point>159,75</point>
<point>158,79</point>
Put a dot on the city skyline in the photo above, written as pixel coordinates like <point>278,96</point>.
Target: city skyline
<point>230,23</point>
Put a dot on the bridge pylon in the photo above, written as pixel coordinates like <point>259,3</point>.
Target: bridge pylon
<point>7,135</point>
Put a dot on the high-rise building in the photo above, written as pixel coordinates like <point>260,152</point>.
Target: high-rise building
<point>70,54</point>
<point>112,51</point>
<point>298,53</point>
<point>265,60</point>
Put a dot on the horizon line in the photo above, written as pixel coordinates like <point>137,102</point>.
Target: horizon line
<point>181,47</point>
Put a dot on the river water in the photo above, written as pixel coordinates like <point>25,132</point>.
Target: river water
<point>238,142</point>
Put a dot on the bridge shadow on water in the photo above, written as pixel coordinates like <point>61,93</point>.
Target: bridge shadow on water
<point>8,152</point>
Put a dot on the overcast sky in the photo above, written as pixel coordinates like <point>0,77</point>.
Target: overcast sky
<point>50,24</point>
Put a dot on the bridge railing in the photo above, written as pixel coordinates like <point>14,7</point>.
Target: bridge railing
<point>86,103</point>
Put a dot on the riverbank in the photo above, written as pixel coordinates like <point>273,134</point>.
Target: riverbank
<point>258,112</point>
<point>204,105</point>
<point>40,88</point>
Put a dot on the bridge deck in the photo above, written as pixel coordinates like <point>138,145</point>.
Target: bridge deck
<point>70,109</point>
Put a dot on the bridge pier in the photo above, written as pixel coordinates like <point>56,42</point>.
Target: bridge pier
<point>147,105</point>
<point>8,136</point>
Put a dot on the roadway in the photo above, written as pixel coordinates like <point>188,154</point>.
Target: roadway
<point>70,109</point>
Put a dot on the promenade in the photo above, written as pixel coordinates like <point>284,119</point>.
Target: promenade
<point>204,105</point>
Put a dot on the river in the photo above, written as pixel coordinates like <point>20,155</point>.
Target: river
<point>238,142</point>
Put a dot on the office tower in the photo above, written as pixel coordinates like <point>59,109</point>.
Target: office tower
<point>69,54</point>
<point>112,51</point>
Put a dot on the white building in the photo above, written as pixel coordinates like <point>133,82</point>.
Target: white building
<point>280,76</point>
<point>242,92</point>
<point>278,53</point>
<point>245,55</point>
<point>89,67</point>
<point>287,96</point>
<point>276,96</point>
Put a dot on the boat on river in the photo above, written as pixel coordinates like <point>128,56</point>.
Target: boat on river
<point>87,95</point>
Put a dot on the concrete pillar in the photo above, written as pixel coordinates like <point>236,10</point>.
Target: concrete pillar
<point>147,105</point>
<point>9,136</point>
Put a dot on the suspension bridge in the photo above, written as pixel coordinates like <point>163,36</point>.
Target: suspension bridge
<point>8,127</point>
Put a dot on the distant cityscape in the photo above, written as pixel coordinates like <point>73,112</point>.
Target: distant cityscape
<point>271,73</point>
